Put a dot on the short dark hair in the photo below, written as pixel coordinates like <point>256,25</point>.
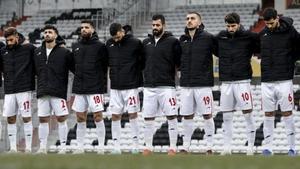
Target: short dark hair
<point>196,13</point>
<point>114,28</point>
<point>159,16</point>
<point>50,27</point>
<point>127,29</point>
<point>10,31</point>
<point>89,22</point>
<point>232,18</point>
<point>269,13</point>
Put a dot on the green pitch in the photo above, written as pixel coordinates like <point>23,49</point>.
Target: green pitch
<point>157,161</point>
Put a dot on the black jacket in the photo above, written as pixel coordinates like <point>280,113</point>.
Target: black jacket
<point>278,51</point>
<point>235,52</point>
<point>2,45</point>
<point>161,59</point>
<point>52,73</point>
<point>197,59</point>
<point>125,62</point>
<point>18,67</point>
<point>90,57</point>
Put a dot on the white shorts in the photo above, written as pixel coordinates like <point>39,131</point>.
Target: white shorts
<point>236,96</point>
<point>93,102</point>
<point>159,100</point>
<point>17,103</point>
<point>277,93</point>
<point>48,104</point>
<point>124,100</point>
<point>197,100</point>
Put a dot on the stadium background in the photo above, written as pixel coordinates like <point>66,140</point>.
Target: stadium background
<point>29,16</point>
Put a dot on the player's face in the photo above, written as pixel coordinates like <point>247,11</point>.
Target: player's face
<point>192,21</point>
<point>232,27</point>
<point>118,37</point>
<point>49,35</point>
<point>157,27</point>
<point>86,30</point>
<point>272,23</point>
<point>12,40</point>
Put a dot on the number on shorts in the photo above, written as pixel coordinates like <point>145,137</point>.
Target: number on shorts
<point>63,105</point>
<point>26,105</point>
<point>290,98</point>
<point>172,101</point>
<point>245,96</point>
<point>132,100</point>
<point>97,99</point>
<point>206,100</point>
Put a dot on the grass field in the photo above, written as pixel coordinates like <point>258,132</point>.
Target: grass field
<point>157,161</point>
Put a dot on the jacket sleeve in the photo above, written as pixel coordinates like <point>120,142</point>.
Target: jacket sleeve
<point>141,59</point>
<point>256,43</point>
<point>215,47</point>
<point>177,53</point>
<point>1,67</point>
<point>33,48</point>
<point>70,61</point>
<point>104,58</point>
<point>295,41</point>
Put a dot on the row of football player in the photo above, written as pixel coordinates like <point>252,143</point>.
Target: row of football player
<point>152,64</point>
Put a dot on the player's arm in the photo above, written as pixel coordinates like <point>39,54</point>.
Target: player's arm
<point>70,61</point>
<point>215,46</point>
<point>177,54</point>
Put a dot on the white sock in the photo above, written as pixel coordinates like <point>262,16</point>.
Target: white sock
<point>227,129</point>
<point>63,133</point>
<point>268,132</point>
<point>100,129</point>
<point>290,130</point>
<point>173,133</point>
<point>149,130</point>
<point>209,128</point>
<point>12,135</point>
<point>28,135</point>
<point>188,129</point>
<point>116,133</point>
<point>43,135</point>
<point>80,133</point>
<point>250,129</point>
<point>135,131</point>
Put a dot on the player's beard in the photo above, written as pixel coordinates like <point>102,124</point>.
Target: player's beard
<point>86,35</point>
<point>157,32</point>
<point>231,33</point>
<point>191,29</point>
<point>49,40</point>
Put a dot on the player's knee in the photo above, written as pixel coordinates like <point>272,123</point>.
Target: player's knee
<point>133,115</point>
<point>269,114</point>
<point>44,119</point>
<point>149,118</point>
<point>11,120</point>
<point>247,111</point>
<point>98,117</point>
<point>26,119</point>
<point>189,117</point>
<point>61,119</point>
<point>288,113</point>
<point>116,117</point>
<point>81,118</point>
<point>171,117</point>
<point>207,116</point>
